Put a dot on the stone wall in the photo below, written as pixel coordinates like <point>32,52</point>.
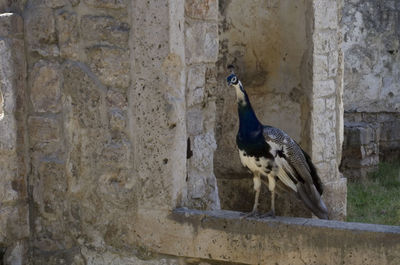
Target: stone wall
<point>14,229</point>
<point>112,113</point>
<point>201,43</point>
<point>371,46</point>
<point>326,120</point>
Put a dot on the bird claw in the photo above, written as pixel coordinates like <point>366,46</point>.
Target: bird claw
<point>269,214</point>
<point>250,214</point>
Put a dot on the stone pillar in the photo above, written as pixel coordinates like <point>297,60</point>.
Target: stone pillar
<point>326,131</point>
<point>14,229</point>
<point>201,44</point>
<point>157,103</point>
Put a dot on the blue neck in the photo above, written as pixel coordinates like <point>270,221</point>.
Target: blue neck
<point>248,122</point>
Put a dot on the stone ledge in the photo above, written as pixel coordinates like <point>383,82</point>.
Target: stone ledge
<point>222,235</point>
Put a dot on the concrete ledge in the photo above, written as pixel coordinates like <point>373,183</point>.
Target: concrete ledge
<point>222,235</point>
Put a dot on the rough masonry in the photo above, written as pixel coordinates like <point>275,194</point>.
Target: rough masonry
<point>113,113</point>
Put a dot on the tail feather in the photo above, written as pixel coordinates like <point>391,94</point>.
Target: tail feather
<point>312,199</point>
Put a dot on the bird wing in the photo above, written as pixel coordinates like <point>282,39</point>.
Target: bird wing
<point>296,170</point>
<point>289,156</point>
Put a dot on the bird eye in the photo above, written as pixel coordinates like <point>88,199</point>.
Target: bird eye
<point>234,79</point>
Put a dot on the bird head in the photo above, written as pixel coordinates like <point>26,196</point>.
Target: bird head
<point>232,79</point>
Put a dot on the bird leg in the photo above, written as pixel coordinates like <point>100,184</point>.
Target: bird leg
<point>257,188</point>
<point>271,187</point>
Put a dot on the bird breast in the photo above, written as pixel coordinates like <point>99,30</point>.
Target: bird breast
<point>259,165</point>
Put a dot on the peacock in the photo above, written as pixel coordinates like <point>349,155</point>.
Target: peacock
<point>274,159</point>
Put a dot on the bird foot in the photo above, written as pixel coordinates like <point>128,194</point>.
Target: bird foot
<point>268,214</point>
<point>250,214</point>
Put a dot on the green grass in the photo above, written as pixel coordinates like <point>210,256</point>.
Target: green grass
<point>376,199</point>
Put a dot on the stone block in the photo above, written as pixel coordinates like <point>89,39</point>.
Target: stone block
<point>320,67</point>
<point>110,64</point>
<point>201,42</point>
<point>8,136</point>
<point>43,130</point>
<point>117,119</point>
<point>40,29</point>
<point>105,29</point>
<point>49,186</point>
<point>83,94</point>
<point>55,3</point>
<point>195,121</point>
<point>8,173</point>
<point>325,41</point>
<point>11,25</point>
<point>116,153</point>
<point>74,2</point>
<point>196,85</point>
<point>202,9</point>
<point>330,104</point>
<point>335,198</point>
<point>13,225</point>
<point>68,34</point>
<point>7,70</point>
<point>1,106</point>
<point>17,254</point>
<point>116,98</point>
<point>333,62</point>
<point>203,149</point>
<point>324,88</point>
<point>45,87</point>
<point>326,14</point>
<point>115,4</point>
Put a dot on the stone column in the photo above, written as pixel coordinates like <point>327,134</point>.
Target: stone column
<point>326,131</point>
<point>201,44</point>
<point>14,230</point>
<point>157,103</point>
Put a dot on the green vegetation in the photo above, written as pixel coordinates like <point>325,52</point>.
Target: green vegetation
<point>377,198</point>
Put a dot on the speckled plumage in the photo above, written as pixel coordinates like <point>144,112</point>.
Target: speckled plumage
<point>270,152</point>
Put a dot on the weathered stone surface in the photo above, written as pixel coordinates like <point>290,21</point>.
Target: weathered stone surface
<point>359,243</point>
<point>74,2</point>
<point>55,3</point>
<point>68,34</point>
<point>335,198</point>
<point>108,257</point>
<point>116,98</point>
<point>195,121</point>
<point>105,29</point>
<point>107,3</point>
<point>11,24</point>
<point>17,254</point>
<point>45,87</point>
<point>110,64</point>
<point>371,48</point>
<point>13,222</point>
<point>40,31</point>
<point>325,88</point>
<point>202,9</point>
<point>201,42</point>
<point>1,106</point>
<point>43,130</point>
<point>83,95</point>
<point>196,85</point>
<point>326,16</point>
<point>117,120</point>
<point>326,41</point>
